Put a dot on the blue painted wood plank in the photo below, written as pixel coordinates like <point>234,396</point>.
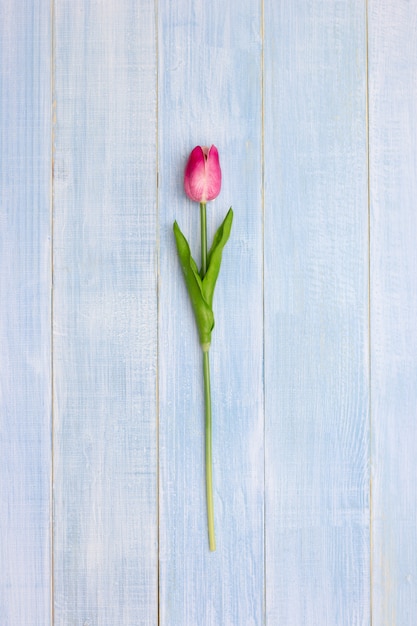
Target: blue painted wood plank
<point>105,310</point>
<point>316,314</point>
<point>25,313</point>
<point>210,92</point>
<point>393,193</point>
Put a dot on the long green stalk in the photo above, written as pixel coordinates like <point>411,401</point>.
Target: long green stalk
<point>203,222</point>
<point>208,437</point>
<point>207,398</point>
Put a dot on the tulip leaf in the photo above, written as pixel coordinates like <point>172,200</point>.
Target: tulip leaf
<point>214,257</point>
<point>202,309</point>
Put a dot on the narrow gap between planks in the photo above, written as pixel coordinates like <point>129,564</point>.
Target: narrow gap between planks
<point>369,309</point>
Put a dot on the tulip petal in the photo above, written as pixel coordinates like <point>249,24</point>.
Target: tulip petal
<point>195,175</point>
<point>213,174</point>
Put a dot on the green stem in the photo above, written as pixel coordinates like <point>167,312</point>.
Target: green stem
<point>203,239</point>
<point>209,473</point>
<point>207,396</point>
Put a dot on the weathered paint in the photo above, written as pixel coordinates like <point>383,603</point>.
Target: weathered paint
<point>25,313</point>
<point>210,92</point>
<point>312,107</point>
<point>393,195</point>
<point>105,309</point>
<point>316,314</point>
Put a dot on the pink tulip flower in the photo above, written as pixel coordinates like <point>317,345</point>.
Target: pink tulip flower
<point>203,176</point>
<point>202,182</point>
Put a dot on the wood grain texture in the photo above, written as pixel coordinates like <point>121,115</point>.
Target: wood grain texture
<point>210,92</point>
<point>129,88</point>
<point>105,309</point>
<point>393,192</point>
<point>25,313</point>
<point>316,315</point>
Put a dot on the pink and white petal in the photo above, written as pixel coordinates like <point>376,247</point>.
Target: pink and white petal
<point>194,175</point>
<point>213,174</point>
<point>195,188</point>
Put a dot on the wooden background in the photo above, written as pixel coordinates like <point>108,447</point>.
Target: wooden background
<point>312,104</point>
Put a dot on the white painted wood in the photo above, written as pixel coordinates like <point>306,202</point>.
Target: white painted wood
<point>210,92</point>
<point>105,310</point>
<point>316,315</point>
<point>25,315</point>
<point>393,193</point>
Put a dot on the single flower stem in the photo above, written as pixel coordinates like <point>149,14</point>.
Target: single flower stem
<point>207,397</point>
<point>203,216</point>
<point>209,473</point>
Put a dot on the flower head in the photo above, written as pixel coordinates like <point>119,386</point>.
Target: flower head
<point>203,176</point>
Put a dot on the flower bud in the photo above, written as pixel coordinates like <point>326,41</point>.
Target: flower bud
<point>203,176</point>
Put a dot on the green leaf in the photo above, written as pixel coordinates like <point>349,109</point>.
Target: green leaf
<point>214,257</point>
<point>202,309</point>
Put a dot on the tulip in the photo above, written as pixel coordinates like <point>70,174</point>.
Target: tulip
<point>203,176</point>
<point>202,182</point>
